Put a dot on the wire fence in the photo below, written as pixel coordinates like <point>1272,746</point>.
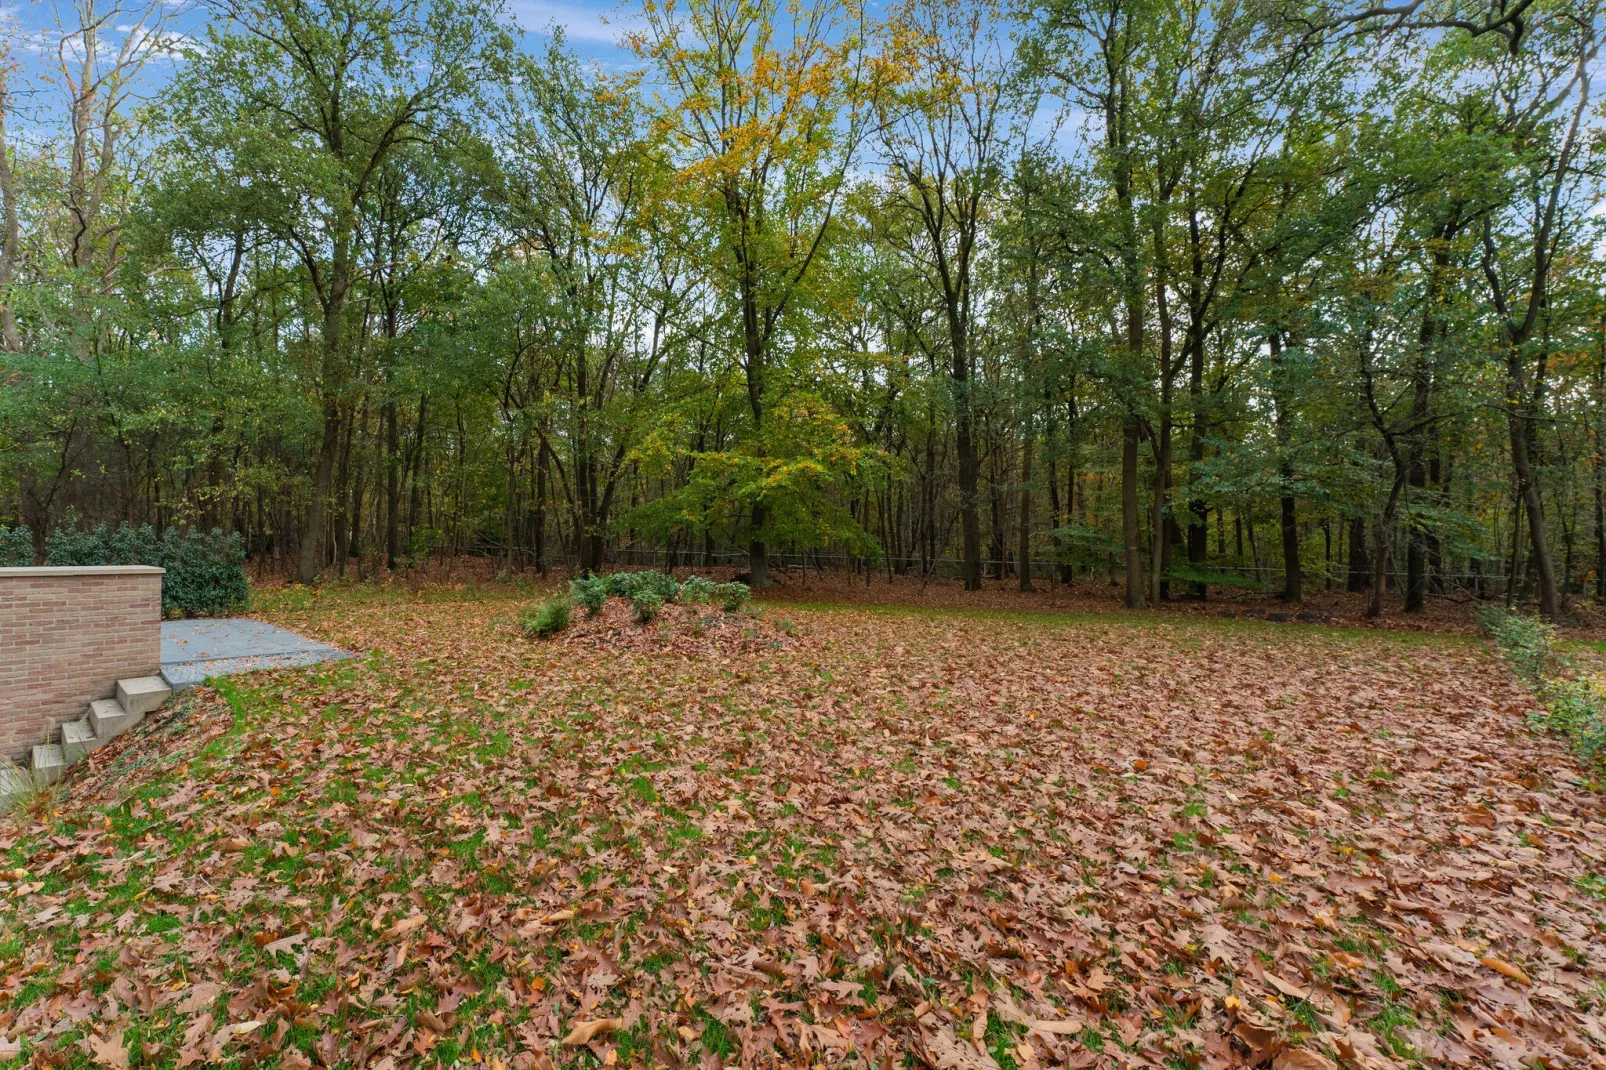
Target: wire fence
<point>1267,576</point>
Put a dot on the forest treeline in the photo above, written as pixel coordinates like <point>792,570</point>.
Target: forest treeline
<point>1188,293</point>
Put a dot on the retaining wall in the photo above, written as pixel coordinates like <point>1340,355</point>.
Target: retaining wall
<point>67,635</point>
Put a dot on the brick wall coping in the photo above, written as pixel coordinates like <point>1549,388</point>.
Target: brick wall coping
<point>47,572</point>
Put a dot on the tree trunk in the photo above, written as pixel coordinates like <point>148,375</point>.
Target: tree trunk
<point>415,476</point>
<point>1359,567</point>
<point>969,507</point>
<point>1538,542</point>
<point>1600,523</point>
<point>1380,556</point>
<point>1416,581</point>
<point>1293,576</point>
<point>1600,542</point>
<point>354,540</point>
<point>1380,567</point>
<point>758,553</point>
<point>342,498</point>
<point>1198,510</point>
<point>1599,430</point>
<point>1129,512</point>
<point>1159,532</point>
<point>392,485</point>
<point>539,533</point>
<point>331,386</point>
<point>1024,552</point>
<point>36,514</point>
<point>317,510</point>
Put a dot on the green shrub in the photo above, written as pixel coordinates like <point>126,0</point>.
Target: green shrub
<point>16,547</point>
<point>1184,572</point>
<point>547,619</point>
<point>647,604</point>
<point>1574,702</point>
<point>648,592</point>
<point>1577,708</point>
<point>1526,642</point>
<point>205,573</point>
<point>661,584</point>
<point>589,591</point>
<point>630,584</point>
<point>205,570</point>
<point>732,596</point>
<point>697,589</point>
<point>102,546</point>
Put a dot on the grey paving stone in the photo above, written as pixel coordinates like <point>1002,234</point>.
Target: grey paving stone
<point>194,650</point>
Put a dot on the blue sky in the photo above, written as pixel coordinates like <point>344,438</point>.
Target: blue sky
<point>35,30</point>
<point>592,29</point>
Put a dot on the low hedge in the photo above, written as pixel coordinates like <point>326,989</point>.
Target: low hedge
<point>16,547</point>
<point>205,570</point>
<point>649,591</point>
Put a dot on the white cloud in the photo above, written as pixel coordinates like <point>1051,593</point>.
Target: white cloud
<point>581,22</point>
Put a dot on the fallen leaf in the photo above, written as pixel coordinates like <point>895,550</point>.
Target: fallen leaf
<point>288,943</point>
<point>1065,1028</point>
<point>109,1051</point>
<point>1301,1059</point>
<point>1501,966</point>
<point>1287,988</point>
<point>585,1032</point>
<point>405,926</point>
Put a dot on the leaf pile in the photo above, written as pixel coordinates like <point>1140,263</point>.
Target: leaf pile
<point>683,629</point>
<point>895,840</point>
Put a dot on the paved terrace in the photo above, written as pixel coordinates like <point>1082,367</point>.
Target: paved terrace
<point>193,650</point>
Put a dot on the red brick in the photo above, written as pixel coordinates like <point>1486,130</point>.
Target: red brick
<point>66,640</point>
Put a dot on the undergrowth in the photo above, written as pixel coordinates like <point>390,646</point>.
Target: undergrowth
<point>647,592</point>
<point>1574,700</point>
<point>548,618</point>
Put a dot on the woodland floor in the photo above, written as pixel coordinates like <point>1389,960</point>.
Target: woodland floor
<point>1452,613</point>
<point>832,835</point>
<point>1447,614</point>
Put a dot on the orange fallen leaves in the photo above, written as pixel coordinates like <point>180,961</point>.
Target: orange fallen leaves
<point>406,925</point>
<point>464,841</point>
<point>109,1051</point>
<point>586,1032</point>
<point>1501,966</point>
<point>1302,1060</point>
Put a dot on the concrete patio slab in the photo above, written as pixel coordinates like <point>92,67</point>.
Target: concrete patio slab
<point>193,650</point>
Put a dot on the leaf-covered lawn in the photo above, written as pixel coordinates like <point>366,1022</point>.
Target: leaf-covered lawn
<point>899,838</point>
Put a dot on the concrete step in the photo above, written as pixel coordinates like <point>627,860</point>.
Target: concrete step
<point>78,739</point>
<point>16,782</point>
<point>48,763</point>
<point>142,694</point>
<point>109,719</point>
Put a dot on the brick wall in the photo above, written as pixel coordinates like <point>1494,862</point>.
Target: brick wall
<point>67,635</point>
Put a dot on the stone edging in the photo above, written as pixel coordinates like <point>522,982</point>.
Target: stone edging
<point>52,571</point>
